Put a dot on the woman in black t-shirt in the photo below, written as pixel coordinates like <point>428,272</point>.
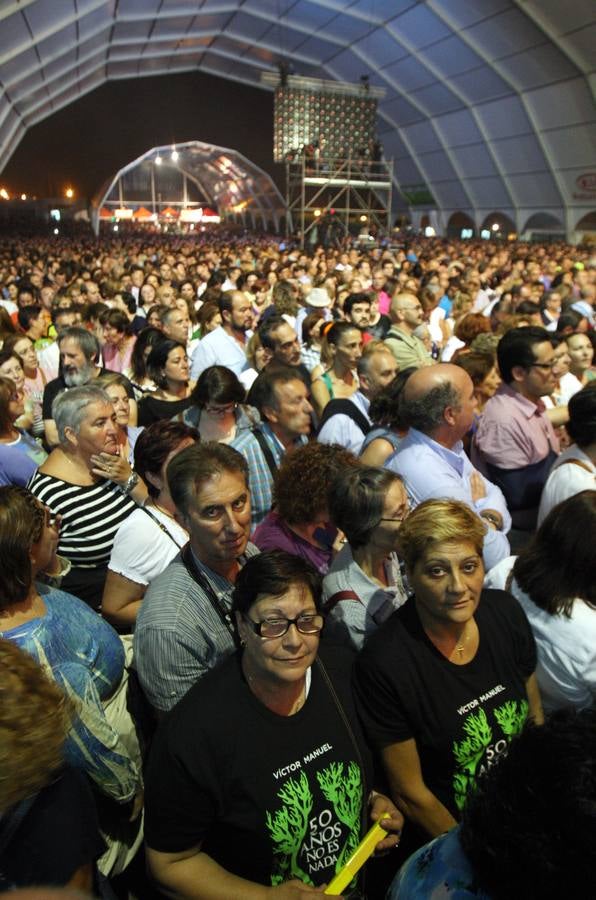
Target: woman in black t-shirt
<point>257,778</point>
<point>449,679</point>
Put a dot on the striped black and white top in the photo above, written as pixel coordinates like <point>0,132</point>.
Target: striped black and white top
<point>91,516</point>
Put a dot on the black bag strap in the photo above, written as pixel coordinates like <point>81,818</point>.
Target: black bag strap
<point>265,449</point>
<point>352,736</point>
<point>215,601</point>
<point>343,406</point>
<point>161,526</point>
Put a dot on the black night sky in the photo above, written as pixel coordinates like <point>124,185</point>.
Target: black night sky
<point>85,143</point>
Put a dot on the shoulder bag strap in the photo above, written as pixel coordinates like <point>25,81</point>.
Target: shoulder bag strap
<point>265,449</point>
<point>352,736</point>
<point>161,526</point>
<point>219,607</point>
<point>336,598</point>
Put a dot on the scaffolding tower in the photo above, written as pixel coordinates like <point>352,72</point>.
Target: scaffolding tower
<point>346,189</point>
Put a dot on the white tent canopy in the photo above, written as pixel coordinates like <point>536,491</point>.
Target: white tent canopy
<point>222,177</point>
<point>489,104</point>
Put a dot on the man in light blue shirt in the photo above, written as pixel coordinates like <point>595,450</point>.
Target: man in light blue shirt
<point>439,407</point>
<point>226,345</point>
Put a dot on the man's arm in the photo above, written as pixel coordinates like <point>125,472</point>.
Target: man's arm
<point>168,663</point>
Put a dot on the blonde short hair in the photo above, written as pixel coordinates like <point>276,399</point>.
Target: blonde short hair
<point>437,521</point>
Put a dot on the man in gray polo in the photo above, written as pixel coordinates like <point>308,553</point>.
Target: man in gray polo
<point>184,628</point>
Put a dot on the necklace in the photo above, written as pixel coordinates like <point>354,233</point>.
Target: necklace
<point>459,648</point>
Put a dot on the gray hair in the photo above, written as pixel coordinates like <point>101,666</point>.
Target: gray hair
<point>356,501</point>
<point>368,352</point>
<point>85,339</point>
<point>426,413</point>
<point>70,407</point>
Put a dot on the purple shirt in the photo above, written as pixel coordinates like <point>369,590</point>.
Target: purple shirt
<point>514,432</point>
<point>274,534</point>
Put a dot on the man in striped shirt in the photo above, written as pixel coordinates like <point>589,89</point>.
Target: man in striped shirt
<point>184,626</point>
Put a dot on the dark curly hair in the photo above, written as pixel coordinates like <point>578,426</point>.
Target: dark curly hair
<point>303,479</point>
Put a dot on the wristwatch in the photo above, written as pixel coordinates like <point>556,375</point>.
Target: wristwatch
<point>131,484</point>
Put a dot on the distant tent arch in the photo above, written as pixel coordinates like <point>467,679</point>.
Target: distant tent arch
<point>200,174</point>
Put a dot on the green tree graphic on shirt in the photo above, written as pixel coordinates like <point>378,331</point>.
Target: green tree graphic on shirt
<point>288,827</point>
<point>345,793</point>
<point>511,717</point>
<point>469,752</point>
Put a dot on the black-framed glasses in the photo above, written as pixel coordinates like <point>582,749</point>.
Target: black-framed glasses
<point>550,365</point>
<point>276,628</point>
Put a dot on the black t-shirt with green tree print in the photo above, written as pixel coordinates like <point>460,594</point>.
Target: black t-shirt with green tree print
<point>461,717</point>
<point>270,797</point>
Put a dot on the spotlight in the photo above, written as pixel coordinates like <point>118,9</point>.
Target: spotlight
<point>69,193</point>
<point>158,160</point>
<point>175,155</point>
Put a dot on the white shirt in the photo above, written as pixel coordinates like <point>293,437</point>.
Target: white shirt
<point>218,348</point>
<point>141,549</point>
<point>566,647</point>
<point>341,429</point>
<point>566,479</point>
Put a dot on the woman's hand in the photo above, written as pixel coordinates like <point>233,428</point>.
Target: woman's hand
<point>114,466</point>
<point>381,806</point>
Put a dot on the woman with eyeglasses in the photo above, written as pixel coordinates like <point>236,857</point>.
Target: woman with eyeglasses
<point>217,409</point>
<point>20,454</point>
<point>260,783</point>
<point>364,585</point>
<point>449,679</point>
<point>84,656</point>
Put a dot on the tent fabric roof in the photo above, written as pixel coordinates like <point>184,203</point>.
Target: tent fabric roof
<point>489,104</point>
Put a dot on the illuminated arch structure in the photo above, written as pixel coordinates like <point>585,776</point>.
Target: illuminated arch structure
<point>489,106</point>
<point>188,176</point>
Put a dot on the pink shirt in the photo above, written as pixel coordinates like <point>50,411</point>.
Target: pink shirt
<point>112,359</point>
<point>514,432</point>
<point>384,301</point>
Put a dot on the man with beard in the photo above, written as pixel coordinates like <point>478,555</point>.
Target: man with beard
<point>226,345</point>
<point>79,364</point>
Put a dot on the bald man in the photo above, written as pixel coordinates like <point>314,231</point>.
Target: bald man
<point>406,315</point>
<point>439,406</point>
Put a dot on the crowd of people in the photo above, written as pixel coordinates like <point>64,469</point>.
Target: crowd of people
<point>292,543</point>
